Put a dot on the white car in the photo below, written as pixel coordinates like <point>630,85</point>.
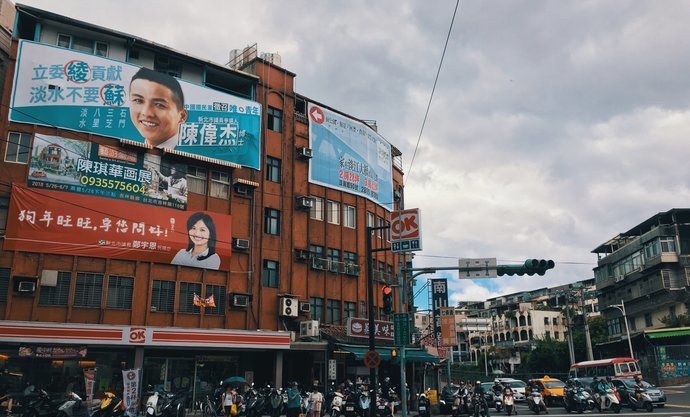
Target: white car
<point>517,386</point>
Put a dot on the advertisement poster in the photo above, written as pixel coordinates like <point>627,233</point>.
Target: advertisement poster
<point>75,224</point>
<point>77,166</point>
<point>349,156</point>
<point>131,388</point>
<point>82,92</point>
<point>439,300</point>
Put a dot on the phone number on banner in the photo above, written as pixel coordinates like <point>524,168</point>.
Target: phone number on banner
<point>112,184</point>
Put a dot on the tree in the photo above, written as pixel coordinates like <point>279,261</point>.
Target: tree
<point>680,320</point>
<point>549,356</point>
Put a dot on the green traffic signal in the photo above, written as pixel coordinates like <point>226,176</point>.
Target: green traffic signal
<point>530,267</point>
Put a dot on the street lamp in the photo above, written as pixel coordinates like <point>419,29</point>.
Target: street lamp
<point>621,308</point>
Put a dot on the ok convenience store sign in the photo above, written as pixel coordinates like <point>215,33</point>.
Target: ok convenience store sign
<point>406,230</point>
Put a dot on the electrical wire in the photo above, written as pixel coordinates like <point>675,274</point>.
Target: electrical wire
<point>431,97</point>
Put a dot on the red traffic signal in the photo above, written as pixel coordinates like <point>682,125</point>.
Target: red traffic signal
<point>387,299</point>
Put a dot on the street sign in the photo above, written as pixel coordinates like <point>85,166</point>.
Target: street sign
<point>332,370</point>
<point>470,268</point>
<point>449,336</point>
<point>372,359</point>
<point>401,327</point>
<point>406,230</point>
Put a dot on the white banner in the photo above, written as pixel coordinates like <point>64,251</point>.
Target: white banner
<point>130,394</point>
<point>89,383</point>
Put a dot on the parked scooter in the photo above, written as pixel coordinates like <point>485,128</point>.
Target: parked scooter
<point>275,400</point>
<point>72,407</point>
<point>363,402</point>
<point>110,406</point>
<point>640,399</point>
<point>166,404</point>
<point>336,409</point>
<point>535,402</point>
<point>383,408</point>
<point>423,404</point>
<point>36,403</point>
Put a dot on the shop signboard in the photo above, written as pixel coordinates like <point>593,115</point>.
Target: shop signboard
<point>357,327</point>
<point>67,89</point>
<point>439,300</point>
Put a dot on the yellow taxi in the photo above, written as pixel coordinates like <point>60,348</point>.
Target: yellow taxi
<point>551,389</point>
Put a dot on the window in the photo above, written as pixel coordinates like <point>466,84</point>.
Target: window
<point>275,119</point>
<point>196,180</point>
<point>350,309</point>
<point>218,293</point>
<point>18,147</point>
<point>349,217</point>
<point>363,312</point>
<point>88,290</point>
<point>333,312</point>
<point>187,291</point>
<point>4,284</point>
<point>4,207</point>
<point>272,169</point>
<point>270,277</point>
<point>546,320</point>
<point>119,293</point>
<point>333,260</point>
<point>350,258</point>
<point>57,295</point>
<point>548,334</point>
<point>333,212</point>
<point>316,251</point>
<point>370,220</point>
<point>316,307</point>
<point>316,212</point>
<point>648,320</point>
<point>271,221</point>
<point>163,296</point>
<point>86,45</point>
<point>556,335</point>
<point>554,321</point>
<point>668,244</point>
<point>220,184</point>
<point>379,223</point>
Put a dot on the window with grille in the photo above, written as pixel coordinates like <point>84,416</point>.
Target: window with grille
<point>163,296</point>
<point>187,291</point>
<point>18,147</point>
<point>119,293</point>
<point>272,169</point>
<point>88,290</point>
<point>363,311</point>
<point>316,212</point>
<point>57,295</point>
<point>272,221</point>
<point>275,119</point>
<point>220,184</point>
<point>82,44</point>
<point>271,274</point>
<point>4,208</point>
<point>218,292</point>
<point>333,212</point>
<point>196,180</point>
<point>350,216</point>
<point>333,312</point>
<point>316,308</point>
<point>4,284</point>
<point>350,309</point>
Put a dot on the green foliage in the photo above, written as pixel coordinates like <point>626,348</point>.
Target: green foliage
<point>680,320</point>
<point>549,356</point>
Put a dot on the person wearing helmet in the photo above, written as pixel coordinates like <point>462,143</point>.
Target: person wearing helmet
<point>478,395</point>
<point>497,388</point>
<point>638,381</point>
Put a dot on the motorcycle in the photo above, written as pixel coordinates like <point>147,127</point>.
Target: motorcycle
<point>36,404</point>
<point>72,407</point>
<point>350,404</point>
<point>254,402</point>
<point>110,406</point>
<point>535,402</point>
<point>640,399</point>
<point>423,404</point>
<point>449,396</point>
<point>611,401</point>
<point>383,408</point>
<point>363,402</point>
<point>509,402</point>
<point>166,404</point>
<point>577,399</point>
<point>276,401</point>
<point>336,404</point>
<point>479,405</point>
<point>497,401</point>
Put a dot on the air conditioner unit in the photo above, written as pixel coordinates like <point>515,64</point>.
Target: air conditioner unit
<point>301,254</point>
<point>619,278</point>
<point>305,202</point>
<point>242,244</point>
<point>288,307</point>
<point>240,300</point>
<point>304,153</point>
<point>26,287</point>
<point>309,328</point>
<point>304,307</point>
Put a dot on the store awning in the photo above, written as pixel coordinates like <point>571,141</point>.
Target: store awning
<point>411,354</point>
<point>658,334</point>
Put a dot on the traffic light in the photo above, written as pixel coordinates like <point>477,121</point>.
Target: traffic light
<point>387,299</point>
<point>530,267</point>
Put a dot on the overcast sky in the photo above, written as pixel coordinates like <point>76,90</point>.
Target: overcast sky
<point>555,125</point>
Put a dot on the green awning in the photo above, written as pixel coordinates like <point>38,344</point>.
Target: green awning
<point>411,354</point>
<point>658,334</point>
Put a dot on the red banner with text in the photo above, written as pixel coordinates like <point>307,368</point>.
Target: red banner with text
<point>76,224</point>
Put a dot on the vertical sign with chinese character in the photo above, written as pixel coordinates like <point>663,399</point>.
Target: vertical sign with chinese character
<point>449,336</point>
<point>439,299</point>
<point>130,392</point>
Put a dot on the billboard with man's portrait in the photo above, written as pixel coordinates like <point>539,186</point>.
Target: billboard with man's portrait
<point>68,89</point>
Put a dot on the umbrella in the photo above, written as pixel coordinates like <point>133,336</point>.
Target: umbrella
<point>234,381</point>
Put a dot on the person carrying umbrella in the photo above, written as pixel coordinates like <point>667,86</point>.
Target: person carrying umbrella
<point>229,401</point>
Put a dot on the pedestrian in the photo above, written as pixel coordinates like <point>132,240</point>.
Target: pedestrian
<point>294,401</point>
<point>315,401</point>
<point>229,401</point>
